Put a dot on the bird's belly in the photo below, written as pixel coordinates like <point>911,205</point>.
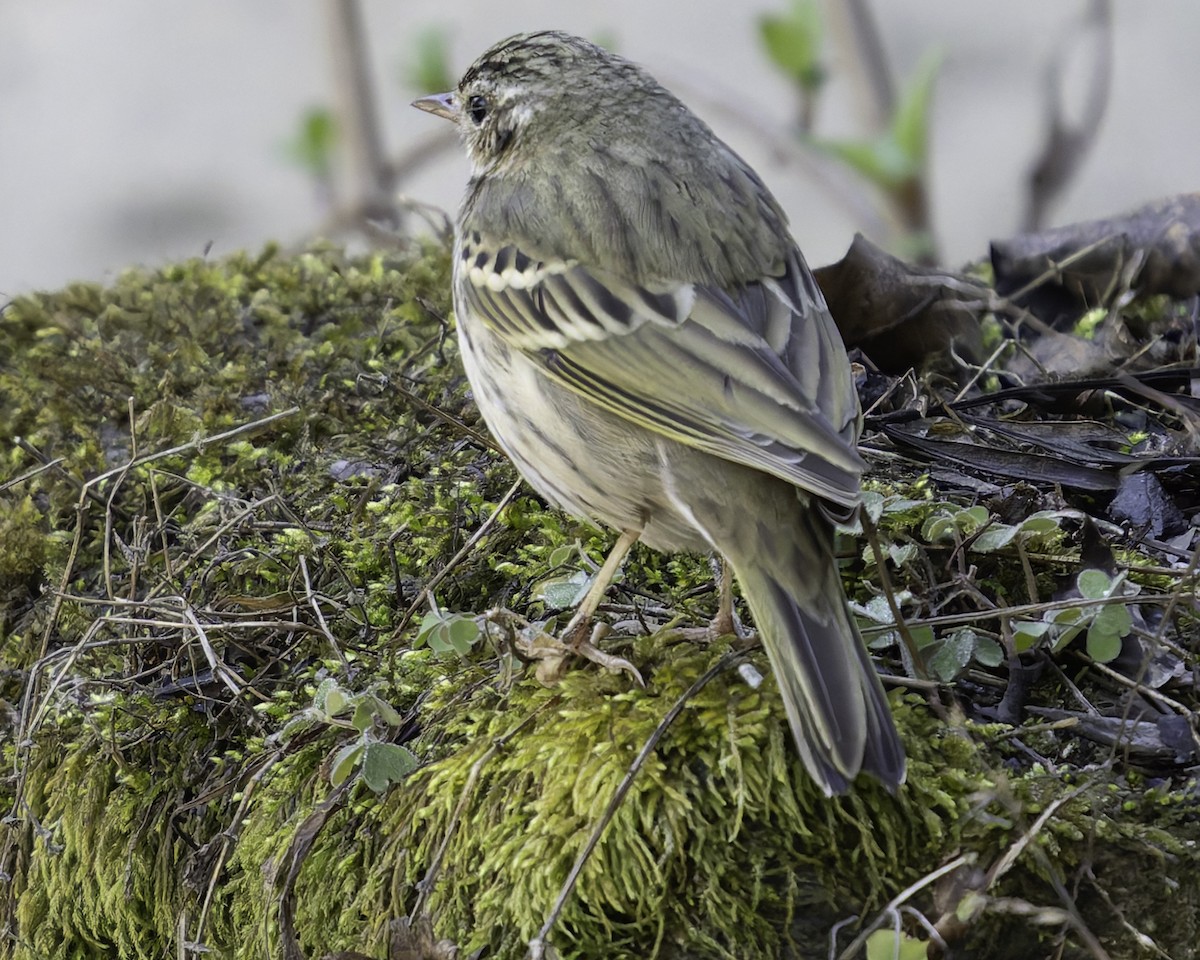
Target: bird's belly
<point>583,459</point>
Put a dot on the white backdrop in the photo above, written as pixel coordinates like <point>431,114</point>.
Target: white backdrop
<point>141,130</point>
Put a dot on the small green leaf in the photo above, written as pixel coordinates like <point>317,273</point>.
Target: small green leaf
<point>910,125</point>
<point>566,592</point>
<point>321,697</point>
<point>429,71</point>
<point>874,505</point>
<point>1094,584</point>
<point>953,654</point>
<point>1109,626</point>
<point>973,518</point>
<point>938,528</point>
<point>1026,633</point>
<point>1103,646</point>
<point>1041,523</point>
<point>561,555</point>
<point>988,652</point>
<point>878,160</point>
<point>995,537</point>
<point>344,762</point>
<point>944,663</point>
<point>429,623</point>
<point>897,157</point>
<point>447,633</point>
<point>364,715</point>
<point>385,711</point>
<point>336,702</point>
<point>924,638</point>
<point>793,43</point>
<point>890,945</point>
<point>439,640</point>
<point>1113,618</point>
<point>878,609</point>
<point>901,505</point>
<point>881,641</point>
<point>1068,615</point>
<point>1067,633</point>
<point>462,634</point>
<point>312,146</point>
<point>297,724</point>
<point>386,763</point>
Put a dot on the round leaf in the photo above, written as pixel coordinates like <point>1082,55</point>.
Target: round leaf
<point>385,764</point>
<point>344,762</point>
<point>1094,584</point>
<point>1102,646</point>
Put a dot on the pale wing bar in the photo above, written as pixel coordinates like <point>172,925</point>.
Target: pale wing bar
<point>538,305</point>
<point>608,340</point>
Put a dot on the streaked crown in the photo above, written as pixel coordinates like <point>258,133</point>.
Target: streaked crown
<point>541,88</point>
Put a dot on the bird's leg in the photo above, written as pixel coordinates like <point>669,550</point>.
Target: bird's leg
<point>579,629</point>
<point>580,636</point>
<point>724,623</point>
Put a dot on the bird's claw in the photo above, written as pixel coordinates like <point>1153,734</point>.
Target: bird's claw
<point>589,651</point>
<point>579,639</point>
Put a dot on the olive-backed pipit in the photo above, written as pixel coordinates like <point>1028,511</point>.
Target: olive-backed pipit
<point>648,345</point>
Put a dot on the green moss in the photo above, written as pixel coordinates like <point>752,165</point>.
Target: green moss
<point>174,512</point>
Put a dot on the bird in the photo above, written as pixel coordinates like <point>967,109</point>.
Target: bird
<point>647,344</point>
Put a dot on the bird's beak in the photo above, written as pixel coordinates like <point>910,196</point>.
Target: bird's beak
<point>439,104</point>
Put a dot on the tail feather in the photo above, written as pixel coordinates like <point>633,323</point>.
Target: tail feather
<point>835,703</point>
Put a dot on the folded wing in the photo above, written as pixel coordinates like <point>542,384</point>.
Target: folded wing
<point>758,374</point>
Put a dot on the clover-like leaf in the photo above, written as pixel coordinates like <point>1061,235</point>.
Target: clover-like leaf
<point>1094,584</point>
<point>345,761</point>
<point>386,763</point>
<point>447,633</point>
<point>1108,628</point>
<point>1103,646</point>
<point>1026,633</point>
<point>462,634</point>
<point>890,944</point>
<point>385,711</point>
<point>988,652</point>
<point>336,701</point>
<point>995,537</point>
<point>564,592</point>
<point>364,715</point>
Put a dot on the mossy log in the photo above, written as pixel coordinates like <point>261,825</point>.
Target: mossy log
<point>225,488</point>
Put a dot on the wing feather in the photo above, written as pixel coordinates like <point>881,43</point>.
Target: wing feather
<point>757,375</point>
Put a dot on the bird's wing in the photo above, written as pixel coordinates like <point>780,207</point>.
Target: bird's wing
<point>757,375</point>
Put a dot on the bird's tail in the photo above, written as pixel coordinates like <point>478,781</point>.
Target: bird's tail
<point>835,703</point>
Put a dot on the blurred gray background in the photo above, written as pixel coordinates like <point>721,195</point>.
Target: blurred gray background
<point>141,131</point>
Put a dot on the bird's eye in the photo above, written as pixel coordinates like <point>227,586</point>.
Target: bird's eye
<point>478,108</point>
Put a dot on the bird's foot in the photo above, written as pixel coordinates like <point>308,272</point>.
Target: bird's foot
<point>586,648</point>
<point>579,639</point>
<point>724,624</point>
